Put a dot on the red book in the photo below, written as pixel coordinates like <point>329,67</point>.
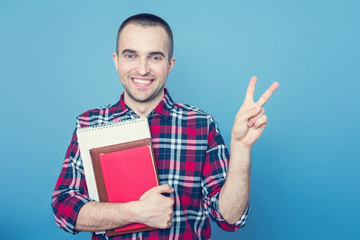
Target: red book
<point>124,172</point>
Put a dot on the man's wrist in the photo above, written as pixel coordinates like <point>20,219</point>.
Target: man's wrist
<point>236,145</point>
<point>240,158</point>
<point>134,209</point>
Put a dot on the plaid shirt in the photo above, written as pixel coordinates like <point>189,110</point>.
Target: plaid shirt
<point>191,157</point>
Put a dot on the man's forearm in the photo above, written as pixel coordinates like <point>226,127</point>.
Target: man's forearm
<point>153,209</point>
<point>234,195</point>
<point>96,216</point>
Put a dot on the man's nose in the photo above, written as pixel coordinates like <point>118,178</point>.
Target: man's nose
<point>143,67</point>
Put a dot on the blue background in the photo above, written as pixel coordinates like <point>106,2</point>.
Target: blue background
<point>56,62</point>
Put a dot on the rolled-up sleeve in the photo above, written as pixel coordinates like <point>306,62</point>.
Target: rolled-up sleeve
<point>70,192</point>
<point>213,178</point>
<point>219,219</point>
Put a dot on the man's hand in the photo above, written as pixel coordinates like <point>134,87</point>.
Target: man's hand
<point>249,124</point>
<point>251,120</point>
<point>157,210</point>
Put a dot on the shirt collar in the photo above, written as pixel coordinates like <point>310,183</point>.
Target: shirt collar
<point>163,109</point>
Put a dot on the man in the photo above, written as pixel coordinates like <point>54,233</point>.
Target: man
<point>197,177</point>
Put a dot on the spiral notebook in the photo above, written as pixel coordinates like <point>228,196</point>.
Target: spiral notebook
<point>102,137</point>
<point>106,135</point>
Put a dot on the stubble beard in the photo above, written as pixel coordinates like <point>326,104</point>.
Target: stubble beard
<point>149,98</point>
<point>156,92</point>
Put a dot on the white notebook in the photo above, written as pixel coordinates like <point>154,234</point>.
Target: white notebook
<point>105,135</point>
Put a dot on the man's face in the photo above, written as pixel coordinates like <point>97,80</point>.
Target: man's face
<point>143,62</point>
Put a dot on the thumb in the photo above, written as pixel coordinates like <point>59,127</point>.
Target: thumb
<point>250,113</point>
<point>165,188</point>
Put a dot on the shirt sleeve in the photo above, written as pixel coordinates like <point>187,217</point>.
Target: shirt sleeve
<point>70,192</point>
<point>213,178</point>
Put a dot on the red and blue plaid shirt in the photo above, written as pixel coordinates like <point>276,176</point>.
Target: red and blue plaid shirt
<point>191,157</point>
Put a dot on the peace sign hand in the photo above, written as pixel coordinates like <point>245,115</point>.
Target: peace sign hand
<point>251,120</point>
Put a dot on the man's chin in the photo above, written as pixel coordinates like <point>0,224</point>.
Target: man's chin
<point>142,98</point>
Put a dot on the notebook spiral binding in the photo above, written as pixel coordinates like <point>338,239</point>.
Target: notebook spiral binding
<point>110,125</point>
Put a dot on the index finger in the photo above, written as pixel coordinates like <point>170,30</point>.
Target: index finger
<point>265,97</point>
<point>251,89</point>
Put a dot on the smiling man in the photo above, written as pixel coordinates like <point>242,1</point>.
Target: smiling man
<point>198,178</point>
<point>143,60</point>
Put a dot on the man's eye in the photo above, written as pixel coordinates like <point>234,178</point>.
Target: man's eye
<point>130,56</point>
<point>156,58</point>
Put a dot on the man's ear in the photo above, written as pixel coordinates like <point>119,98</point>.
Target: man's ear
<point>171,64</point>
<point>115,58</point>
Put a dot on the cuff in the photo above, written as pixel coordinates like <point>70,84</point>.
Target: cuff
<point>71,211</point>
<point>219,219</point>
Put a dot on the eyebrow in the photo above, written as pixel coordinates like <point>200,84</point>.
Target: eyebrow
<point>157,53</point>
<point>151,53</point>
<point>128,51</point>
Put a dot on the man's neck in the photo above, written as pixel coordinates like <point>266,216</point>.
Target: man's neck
<point>142,109</point>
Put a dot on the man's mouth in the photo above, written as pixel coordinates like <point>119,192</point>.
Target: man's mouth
<point>141,81</point>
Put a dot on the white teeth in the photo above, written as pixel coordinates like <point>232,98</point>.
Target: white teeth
<point>141,81</point>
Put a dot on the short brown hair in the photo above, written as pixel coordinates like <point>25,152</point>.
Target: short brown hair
<point>147,20</point>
